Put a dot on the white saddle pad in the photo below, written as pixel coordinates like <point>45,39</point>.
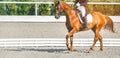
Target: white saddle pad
<point>89,18</point>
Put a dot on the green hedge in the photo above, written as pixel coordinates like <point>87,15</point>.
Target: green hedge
<point>17,9</point>
<point>48,9</point>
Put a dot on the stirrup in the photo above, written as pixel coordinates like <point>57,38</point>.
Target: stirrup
<point>85,25</point>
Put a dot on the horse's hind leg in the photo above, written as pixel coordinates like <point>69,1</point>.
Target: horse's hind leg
<point>101,43</point>
<point>96,32</point>
<point>95,40</point>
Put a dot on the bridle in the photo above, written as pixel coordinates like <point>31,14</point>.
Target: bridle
<point>58,9</point>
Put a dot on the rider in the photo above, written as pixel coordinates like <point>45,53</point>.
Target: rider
<point>82,10</point>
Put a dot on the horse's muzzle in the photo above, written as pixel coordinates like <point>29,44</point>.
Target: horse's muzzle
<point>57,17</point>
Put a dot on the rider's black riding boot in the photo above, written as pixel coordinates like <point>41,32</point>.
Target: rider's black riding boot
<point>85,22</point>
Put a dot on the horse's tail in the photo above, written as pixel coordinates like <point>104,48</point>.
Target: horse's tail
<point>109,25</point>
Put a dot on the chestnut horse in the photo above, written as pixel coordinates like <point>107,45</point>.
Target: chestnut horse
<point>74,25</point>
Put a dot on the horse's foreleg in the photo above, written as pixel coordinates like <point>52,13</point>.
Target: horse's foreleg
<point>67,43</point>
<point>101,43</point>
<point>71,41</point>
<point>70,34</point>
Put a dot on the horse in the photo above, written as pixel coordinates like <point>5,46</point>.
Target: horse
<point>74,25</point>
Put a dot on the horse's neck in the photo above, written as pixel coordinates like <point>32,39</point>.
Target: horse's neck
<point>66,7</point>
<point>68,13</point>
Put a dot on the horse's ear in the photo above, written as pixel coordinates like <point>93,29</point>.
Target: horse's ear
<point>56,2</point>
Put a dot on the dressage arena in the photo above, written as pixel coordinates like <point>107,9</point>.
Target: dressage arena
<point>46,39</point>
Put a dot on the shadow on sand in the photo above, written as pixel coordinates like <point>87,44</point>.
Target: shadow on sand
<point>49,50</point>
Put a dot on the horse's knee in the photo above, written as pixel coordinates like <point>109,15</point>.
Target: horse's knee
<point>96,39</point>
<point>67,36</point>
<point>100,38</point>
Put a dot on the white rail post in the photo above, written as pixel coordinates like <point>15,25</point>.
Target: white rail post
<point>36,9</point>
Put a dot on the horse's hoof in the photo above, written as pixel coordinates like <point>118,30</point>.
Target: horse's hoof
<point>71,50</point>
<point>101,49</point>
<point>68,48</point>
<point>91,50</point>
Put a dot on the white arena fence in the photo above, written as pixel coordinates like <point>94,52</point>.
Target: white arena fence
<point>41,19</point>
<point>59,42</point>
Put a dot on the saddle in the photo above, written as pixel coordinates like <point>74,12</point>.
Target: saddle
<point>85,20</point>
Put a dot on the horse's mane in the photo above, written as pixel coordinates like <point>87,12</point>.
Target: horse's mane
<point>68,6</point>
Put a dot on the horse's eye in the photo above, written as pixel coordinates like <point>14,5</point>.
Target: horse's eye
<point>57,8</point>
